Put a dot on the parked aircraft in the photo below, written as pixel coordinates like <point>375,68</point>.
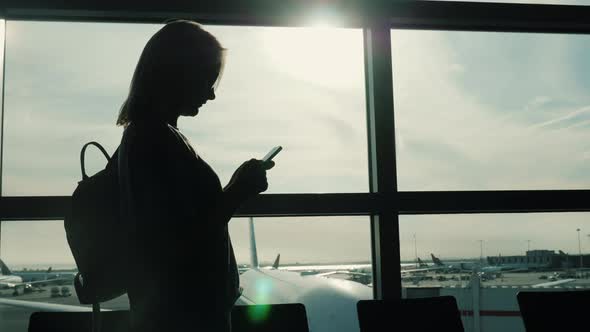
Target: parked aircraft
<point>483,270</point>
<point>330,303</point>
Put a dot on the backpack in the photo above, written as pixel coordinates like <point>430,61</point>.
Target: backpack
<point>95,234</point>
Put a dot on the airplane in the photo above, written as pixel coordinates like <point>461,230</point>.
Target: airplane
<point>10,280</point>
<point>33,275</point>
<point>46,275</point>
<point>330,303</point>
<point>485,270</point>
<point>365,269</point>
<point>452,268</point>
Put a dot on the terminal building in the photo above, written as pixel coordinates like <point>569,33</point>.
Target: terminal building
<point>548,259</point>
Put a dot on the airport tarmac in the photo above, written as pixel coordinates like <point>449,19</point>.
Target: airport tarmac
<point>432,279</point>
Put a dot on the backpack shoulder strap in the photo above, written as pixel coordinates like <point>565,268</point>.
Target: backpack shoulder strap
<point>83,153</point>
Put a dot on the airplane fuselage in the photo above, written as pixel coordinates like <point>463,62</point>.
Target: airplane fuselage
<point>8,281</point>
<point>330,303</point>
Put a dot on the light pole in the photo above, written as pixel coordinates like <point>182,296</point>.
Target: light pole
<point>480,252</point>
<point>416,251</point>
<point>580,248</point>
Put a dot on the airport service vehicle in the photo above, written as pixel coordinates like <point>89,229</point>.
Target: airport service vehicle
<point>55,292</point>
<point>65,291</point>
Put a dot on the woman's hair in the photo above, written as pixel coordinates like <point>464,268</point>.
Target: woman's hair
<point>179,49</point>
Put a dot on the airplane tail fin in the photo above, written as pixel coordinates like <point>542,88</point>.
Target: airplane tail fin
<point>4,269</point>
<point>275,265</point>
<point>253,251</point>
<point>49,270</point>
<point>436,260</point>
<point>421,263</point>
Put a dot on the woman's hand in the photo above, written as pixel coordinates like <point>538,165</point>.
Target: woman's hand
<point>250,178</point>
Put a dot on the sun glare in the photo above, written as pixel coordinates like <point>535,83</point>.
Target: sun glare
<point>331,57</point>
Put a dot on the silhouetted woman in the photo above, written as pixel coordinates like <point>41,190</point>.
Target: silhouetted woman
<point>183,274</point>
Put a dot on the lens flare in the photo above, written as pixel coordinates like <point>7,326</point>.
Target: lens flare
<point>258,313</point>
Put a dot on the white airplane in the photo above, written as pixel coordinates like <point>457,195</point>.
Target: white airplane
<point>14,281</point>
<point>330,303</point>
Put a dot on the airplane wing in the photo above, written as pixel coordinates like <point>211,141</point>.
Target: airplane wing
<point>426,269</point>
<point>325,274</point>
<point>553,283</point>
<point>325,267</point>
<point>44,306</point>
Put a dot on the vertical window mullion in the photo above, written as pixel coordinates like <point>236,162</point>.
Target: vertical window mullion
<point>3,96</point>
<point>382,163</point>
<point>3,26</point>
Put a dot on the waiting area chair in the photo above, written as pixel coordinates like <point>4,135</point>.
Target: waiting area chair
<point>554,310</point>
<point>111,321</point>
<point>290,317</point>
<point>253,318</point>
<point>419,314</point>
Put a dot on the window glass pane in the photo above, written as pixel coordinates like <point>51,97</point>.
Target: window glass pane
<point>2,36</point>
<point>35,251</point>
<point>325,263</point>
<point>323,260</point>
<point>497,255</point>
<point>299,88</point>
<point>478,110</point>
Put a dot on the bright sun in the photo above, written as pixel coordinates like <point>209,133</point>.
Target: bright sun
<point>332,57</point>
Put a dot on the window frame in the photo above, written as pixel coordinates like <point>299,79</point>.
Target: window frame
<point>383,203</point>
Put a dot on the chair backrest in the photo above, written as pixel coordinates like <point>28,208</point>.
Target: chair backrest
<point>253,318</point>
<point>554,310</point>
<point>425,314</point>
<point>112,321</point>
<point>289,317</point>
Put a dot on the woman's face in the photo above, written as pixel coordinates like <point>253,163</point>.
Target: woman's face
<point>198,89</point>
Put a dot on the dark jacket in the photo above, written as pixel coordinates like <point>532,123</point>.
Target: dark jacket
<point>181,258</point>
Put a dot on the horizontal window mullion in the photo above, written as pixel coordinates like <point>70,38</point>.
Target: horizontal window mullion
<point>437,15</point>
<point>275,205</point>
<point>480,16</point>
<point>510,201</point>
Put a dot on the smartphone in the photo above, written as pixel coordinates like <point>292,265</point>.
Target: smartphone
<point>272,153</point>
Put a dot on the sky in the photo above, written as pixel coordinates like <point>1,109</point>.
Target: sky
<point>473,111</point>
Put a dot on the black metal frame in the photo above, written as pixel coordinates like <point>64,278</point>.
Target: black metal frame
<point>384,203</point>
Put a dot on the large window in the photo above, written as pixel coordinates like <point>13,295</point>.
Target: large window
<point>481,111</point>
<point>37,252</point>
<point>485,98</point>
<point>495,256</point>
<point>301,88</point>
